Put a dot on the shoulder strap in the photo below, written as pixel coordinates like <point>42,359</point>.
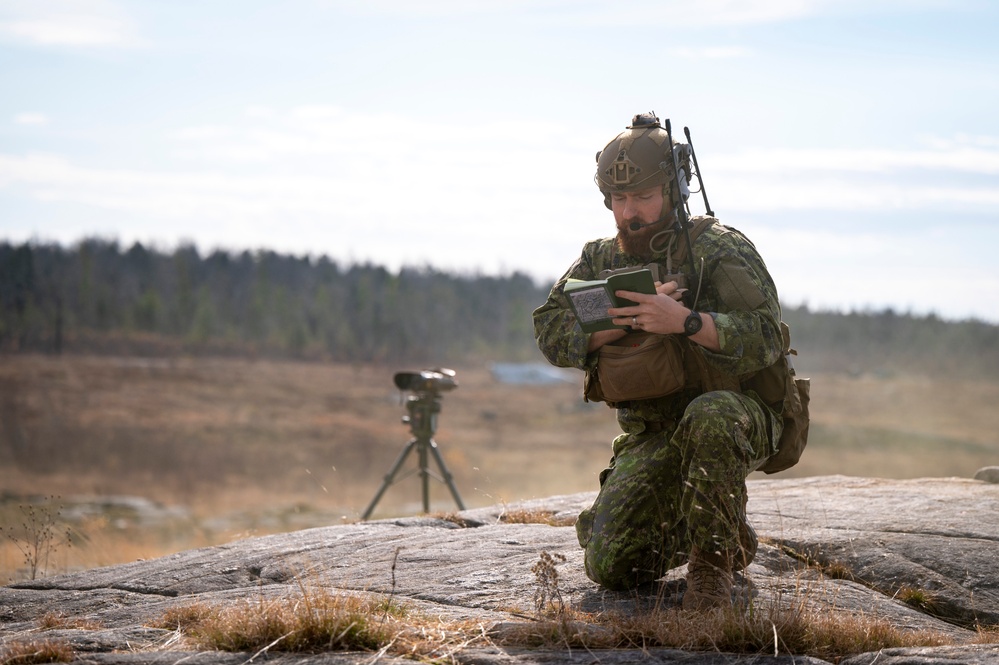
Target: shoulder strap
<point>700,224</point>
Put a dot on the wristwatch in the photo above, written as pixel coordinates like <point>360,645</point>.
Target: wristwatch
<point>692,324</point>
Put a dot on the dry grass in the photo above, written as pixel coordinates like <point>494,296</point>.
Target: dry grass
<point>257,447</point>
<point>232,434</point>
<point>774,630</point>
<point>900,427</point>
<point>31,652</point>
<point>548,601</point>
<point>536,516</point>
<point>57,620</point>
<point>789,625</point>
<point>184,618</point>
<point>987,635</point>
<point>836,570</point>
<point>319,620</point>
<point>312,623</point>
<point>95,542</point>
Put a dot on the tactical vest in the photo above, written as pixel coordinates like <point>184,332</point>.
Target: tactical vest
<point>644,365</point>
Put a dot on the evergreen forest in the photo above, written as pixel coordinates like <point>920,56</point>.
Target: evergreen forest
<point>100,297</point>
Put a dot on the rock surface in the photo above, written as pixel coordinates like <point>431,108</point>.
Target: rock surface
<point>988,474</point>
<point>923,554</point>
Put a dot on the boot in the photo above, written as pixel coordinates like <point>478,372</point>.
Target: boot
<point>709,580</point>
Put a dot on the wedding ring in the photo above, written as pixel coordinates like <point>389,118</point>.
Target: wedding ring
<point>634,321</point>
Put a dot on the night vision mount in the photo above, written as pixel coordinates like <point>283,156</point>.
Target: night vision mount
<point>422,407</point>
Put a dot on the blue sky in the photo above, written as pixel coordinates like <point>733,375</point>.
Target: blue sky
<point>854,142</point>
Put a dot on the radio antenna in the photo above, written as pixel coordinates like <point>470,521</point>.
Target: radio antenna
<point>700,180</point>
<point>681,213</point>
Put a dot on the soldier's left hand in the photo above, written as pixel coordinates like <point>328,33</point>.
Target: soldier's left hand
<point>661,313</point>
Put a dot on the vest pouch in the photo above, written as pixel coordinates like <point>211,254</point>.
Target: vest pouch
<point>640,365</point>
<point>794,436</point>
<point>771,384</point>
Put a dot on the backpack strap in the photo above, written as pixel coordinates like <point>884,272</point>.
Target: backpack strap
<point>679,254</point>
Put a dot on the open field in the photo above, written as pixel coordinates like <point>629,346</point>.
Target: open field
<point>232,447</point>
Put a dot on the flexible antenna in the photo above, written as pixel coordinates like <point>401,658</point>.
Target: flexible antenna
<point>681,211</point>
<point>700,180</point>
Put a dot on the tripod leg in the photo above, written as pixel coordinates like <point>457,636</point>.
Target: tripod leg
<point>446,474</point>
<point>424,473</point>
<point>389,479</point>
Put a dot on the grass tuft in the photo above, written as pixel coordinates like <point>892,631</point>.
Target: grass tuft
<point>184,617</point>
<point>536,516</point>
<point>836,570</point>
<point>797,631</point>
<point>31,652</point>
<point>920,599</point>
<point>321,621</point>
<point>987,635</point>
<point>318,622</point>
<point>55,620</point>
<point>454,518</point>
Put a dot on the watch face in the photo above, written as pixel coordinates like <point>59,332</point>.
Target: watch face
<point>692,324</point>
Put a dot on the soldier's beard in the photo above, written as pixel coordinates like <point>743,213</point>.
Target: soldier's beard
<point>636,243</point>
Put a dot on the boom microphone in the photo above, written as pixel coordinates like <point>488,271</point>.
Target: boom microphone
<point>638,226</point>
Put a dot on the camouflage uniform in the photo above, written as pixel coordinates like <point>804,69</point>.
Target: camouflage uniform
<point>677,475</point>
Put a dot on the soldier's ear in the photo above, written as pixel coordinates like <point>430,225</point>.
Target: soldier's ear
<point>607,201</point>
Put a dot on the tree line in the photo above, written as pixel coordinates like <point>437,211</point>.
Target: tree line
<point>97,296</point>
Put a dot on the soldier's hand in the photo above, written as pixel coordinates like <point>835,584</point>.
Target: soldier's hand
<point>670,289</point>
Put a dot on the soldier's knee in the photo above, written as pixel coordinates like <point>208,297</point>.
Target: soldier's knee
<point>612,570</point>
<point>720,404</point>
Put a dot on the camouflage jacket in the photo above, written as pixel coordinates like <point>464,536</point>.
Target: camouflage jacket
<point>736,289</point>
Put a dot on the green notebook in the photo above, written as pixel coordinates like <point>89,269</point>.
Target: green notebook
<point>590,299</point>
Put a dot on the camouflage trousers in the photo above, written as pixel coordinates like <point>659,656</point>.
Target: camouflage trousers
<point>679,487</point>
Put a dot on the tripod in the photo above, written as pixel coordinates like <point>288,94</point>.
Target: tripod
<point>423,408</point>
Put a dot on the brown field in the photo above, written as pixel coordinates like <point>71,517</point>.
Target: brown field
<point>244,447</point>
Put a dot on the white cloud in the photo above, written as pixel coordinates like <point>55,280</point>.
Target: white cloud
<point>710,52</point>
<point>875,269</point>
<point>73,23</point>
<point>953,156</point>
<point>325,161</point>
<point>961,140</point>
<point>31,119</point>
<point>203,133</point>
<point>761,194</point>
<point>674,13</point>
<point>708,12</point>
<point>957,173</point>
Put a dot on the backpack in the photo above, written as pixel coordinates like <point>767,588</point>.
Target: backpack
<point>794,437</point>
<point>786,393</point>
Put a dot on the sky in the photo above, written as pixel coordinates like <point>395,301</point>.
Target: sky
<point>854,142</point>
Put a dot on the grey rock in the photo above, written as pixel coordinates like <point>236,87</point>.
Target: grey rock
<point>967,655</point>
<point>988,474</point>
<point>922,554</point>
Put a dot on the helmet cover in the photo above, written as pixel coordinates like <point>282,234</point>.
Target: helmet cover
<point>639,158</point>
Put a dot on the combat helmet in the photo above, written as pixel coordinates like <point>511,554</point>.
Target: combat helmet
<point>639,158</point>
